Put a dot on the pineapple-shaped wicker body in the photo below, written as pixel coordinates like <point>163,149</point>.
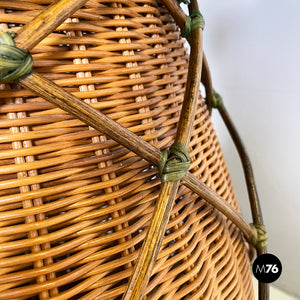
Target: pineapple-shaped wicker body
<point>76,205</point>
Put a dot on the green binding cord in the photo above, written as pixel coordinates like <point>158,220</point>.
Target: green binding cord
<point>195,20</point>
<point>14,62</point>
<point>216,101</point>
<point>260,238</point>
<point>174,163</point>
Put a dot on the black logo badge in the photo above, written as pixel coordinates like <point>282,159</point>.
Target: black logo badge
<point>267,268</point>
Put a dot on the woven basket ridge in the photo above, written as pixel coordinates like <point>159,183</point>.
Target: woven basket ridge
<point>75,205</point>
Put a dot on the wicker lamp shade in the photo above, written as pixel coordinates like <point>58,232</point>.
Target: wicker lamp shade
<point>75,204</point>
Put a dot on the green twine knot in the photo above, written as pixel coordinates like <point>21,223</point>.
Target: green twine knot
<point>174,163</point>
<point>15,63</point>
<point>260,238</point>
<point>217,100</point>
<point>195,20</point>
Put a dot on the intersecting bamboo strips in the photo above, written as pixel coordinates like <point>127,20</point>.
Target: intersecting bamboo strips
<point>180,18</point>
<point>58,96</point>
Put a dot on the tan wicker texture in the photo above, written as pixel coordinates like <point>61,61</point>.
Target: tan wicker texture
<point>74,204</point>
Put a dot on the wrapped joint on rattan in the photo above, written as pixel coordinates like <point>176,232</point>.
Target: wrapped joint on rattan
<point>15,63</point>
<point>216,102</point>
<point>174,163</point>
<point>193,21</point>
<point>260,238</point>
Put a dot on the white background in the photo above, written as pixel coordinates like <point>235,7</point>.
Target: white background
<point>253,48</point>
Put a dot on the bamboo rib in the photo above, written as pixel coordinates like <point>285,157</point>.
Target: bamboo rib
<point>151,246</point>
<point>207,82</point>
<point>35,31</point>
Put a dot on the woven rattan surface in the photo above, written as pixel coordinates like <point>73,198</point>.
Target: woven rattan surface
<point>75,205</point>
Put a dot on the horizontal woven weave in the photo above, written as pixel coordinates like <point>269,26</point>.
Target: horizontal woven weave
<point>74,204</point>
